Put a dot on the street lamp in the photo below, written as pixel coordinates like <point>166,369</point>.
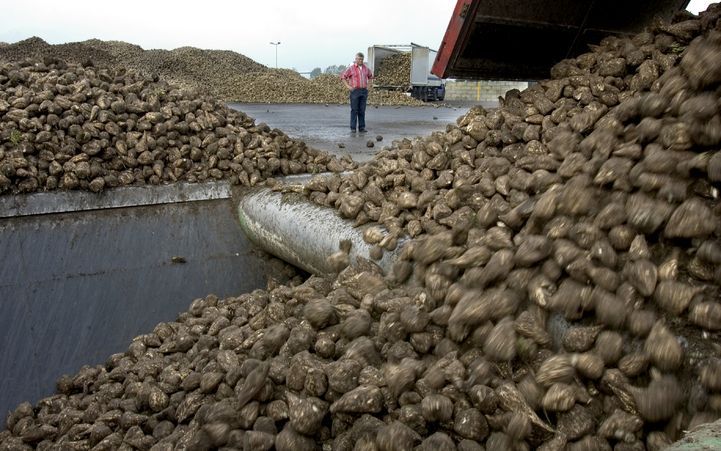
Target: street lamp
<point>276,44</point>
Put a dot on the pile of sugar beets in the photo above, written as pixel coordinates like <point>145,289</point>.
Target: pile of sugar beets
<point>68,126</point>
<point>560,290</point>
<point>223,74</point>
<point>394,70</point>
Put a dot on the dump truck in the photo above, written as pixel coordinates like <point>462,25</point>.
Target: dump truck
<point>419,82</point>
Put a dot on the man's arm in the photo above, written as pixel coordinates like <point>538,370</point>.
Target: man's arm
<point>344,78</point>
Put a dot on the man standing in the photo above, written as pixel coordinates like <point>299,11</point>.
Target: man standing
<point>355,78</point>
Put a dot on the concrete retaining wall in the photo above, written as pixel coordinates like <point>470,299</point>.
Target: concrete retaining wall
<point>80,278</point>
<point>480,91</point>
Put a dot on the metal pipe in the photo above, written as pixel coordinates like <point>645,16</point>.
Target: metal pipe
<point>291,227</point>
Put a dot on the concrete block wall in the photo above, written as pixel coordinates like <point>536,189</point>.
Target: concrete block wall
<point>482,90</point>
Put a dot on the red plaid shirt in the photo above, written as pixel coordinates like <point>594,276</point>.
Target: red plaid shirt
<point>357,76</point>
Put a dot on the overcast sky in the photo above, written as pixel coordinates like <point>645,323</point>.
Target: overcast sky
<point>312,33</point>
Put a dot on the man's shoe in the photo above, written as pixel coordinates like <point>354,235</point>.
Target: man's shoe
<point>352,130</point>
<point>362,130</point>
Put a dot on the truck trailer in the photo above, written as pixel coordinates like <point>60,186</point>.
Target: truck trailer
<point>420,83</point>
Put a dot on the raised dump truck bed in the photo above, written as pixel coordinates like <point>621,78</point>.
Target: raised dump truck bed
<point>522,40</point>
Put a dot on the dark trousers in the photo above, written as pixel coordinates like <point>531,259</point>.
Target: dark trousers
<point>358,98</point>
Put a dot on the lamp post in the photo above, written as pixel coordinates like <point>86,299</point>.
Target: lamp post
<point>276,44</point>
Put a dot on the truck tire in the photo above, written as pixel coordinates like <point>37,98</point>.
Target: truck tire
<point>414,92</point>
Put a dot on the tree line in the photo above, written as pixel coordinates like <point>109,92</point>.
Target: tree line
<point>332,70</point>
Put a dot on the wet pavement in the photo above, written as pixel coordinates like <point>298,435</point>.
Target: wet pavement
<point>326,126</point>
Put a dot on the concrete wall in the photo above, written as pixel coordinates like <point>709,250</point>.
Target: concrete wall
<point>480,91</point>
